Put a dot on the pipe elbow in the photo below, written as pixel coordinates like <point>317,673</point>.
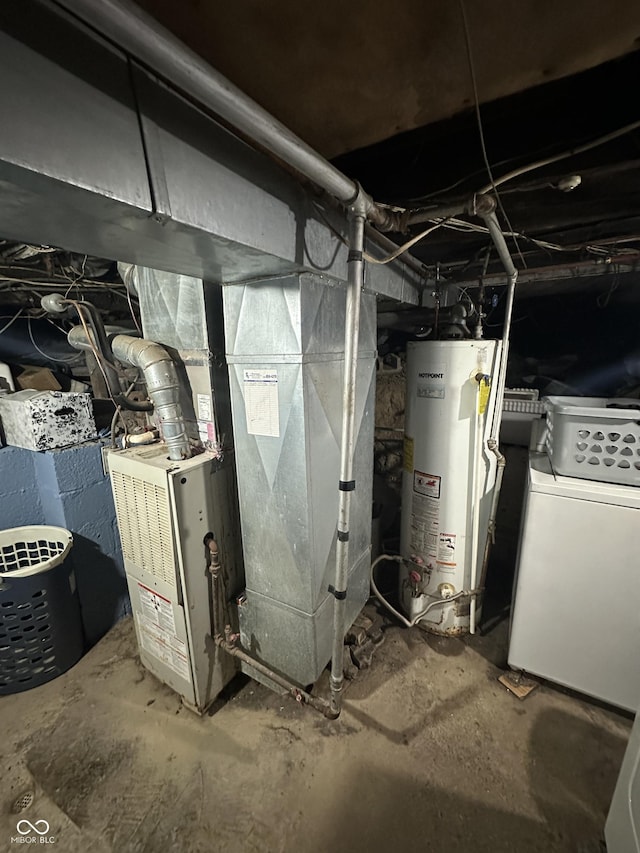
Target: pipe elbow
<point>163,388</point>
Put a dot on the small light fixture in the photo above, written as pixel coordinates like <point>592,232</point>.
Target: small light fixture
<point>569,183</point>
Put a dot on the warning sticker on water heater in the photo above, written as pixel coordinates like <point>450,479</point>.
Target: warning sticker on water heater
<point>447,549</point>
<point>157,631</point>
<point>261,402</point>
<point>426,484</point>
<point>425,521</point>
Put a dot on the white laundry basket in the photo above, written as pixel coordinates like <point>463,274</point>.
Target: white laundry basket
<point>41,632</point>
<point>594,438</point>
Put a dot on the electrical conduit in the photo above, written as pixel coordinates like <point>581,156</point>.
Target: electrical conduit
<point>347,485</point>
<point>486,210</point>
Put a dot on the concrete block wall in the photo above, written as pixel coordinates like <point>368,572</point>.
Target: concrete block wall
<point>68,488</point>
<point>19,495</point>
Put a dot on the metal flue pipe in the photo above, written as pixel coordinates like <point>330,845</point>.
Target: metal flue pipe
<point>163,388</point>
<point>134,31</point>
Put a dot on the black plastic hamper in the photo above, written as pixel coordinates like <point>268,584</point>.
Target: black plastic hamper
<point>40,624</point>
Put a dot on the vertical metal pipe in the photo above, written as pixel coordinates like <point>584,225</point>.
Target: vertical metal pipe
<point>491,221</point>
<point>347,484</point>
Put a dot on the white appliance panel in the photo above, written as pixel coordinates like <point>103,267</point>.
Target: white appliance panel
<point>576,609</point>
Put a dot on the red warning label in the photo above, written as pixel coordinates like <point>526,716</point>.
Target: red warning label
<point>426,484</point>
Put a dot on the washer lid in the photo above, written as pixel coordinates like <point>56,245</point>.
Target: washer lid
<point>543,480</point>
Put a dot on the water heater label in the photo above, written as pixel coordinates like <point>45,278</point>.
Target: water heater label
<point>431,382</point>
<point>425,522</point>
<point>484,389</point>
<point>426,484</point>
<point>447,549</point>
<point>261,402</point>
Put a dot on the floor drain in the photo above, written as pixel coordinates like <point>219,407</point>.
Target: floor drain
<point>22,803</point>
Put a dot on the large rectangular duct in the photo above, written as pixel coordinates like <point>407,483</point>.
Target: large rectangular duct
<point>285,350</point>
<point>184,314</point>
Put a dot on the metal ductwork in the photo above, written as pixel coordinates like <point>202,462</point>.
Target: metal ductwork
<point>136,32</point>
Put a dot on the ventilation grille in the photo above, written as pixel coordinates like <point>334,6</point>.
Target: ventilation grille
<point>144,519</point>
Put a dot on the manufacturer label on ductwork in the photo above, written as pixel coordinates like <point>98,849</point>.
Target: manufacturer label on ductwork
<point>261,402</point>
<point>204,407</point>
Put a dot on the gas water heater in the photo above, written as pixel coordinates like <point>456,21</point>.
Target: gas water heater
<point>448,479</point>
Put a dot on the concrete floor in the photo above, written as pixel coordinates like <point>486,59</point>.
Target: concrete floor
<point>430,754</point>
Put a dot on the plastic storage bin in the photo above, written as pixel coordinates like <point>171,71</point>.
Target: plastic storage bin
<point>40,624</point>
<point>595,438</point>
<point>520,408</point>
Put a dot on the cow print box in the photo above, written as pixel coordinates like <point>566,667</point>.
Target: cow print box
<point>44,420</point>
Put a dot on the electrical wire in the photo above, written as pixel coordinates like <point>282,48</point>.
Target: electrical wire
<point>36,286</point>
<point>135,319</point>
<point>603,300</point>
<point>547,161</point>
<point>468,177</point>
<point>118,414</point>
<point>77,279</point>
<point>405,246</point>
<point>97,355</point>
<point>468,227</point>
<point>11,321</point>
<point>395,254</point>
<point>410,623</point>
<point>467,38</point>
<point>48,356</point>
<point>530,167</point>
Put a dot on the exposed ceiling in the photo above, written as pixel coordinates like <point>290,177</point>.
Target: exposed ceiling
<point>386,91</point>
<point>344,75</point>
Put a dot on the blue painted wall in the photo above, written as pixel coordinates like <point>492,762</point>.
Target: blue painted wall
<point>68,488</point>
<point>19,495</point>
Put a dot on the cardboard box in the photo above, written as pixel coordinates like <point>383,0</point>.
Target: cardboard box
<point>37,379</point>
<point>45,420</point>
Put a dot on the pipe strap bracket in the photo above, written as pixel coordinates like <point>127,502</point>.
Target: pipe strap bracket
<point>340,595</point>
<point>343,535</point>
<point>347,485</point>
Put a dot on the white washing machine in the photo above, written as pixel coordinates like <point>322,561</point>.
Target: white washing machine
<point>622,830</point>
<point>576,608</point>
